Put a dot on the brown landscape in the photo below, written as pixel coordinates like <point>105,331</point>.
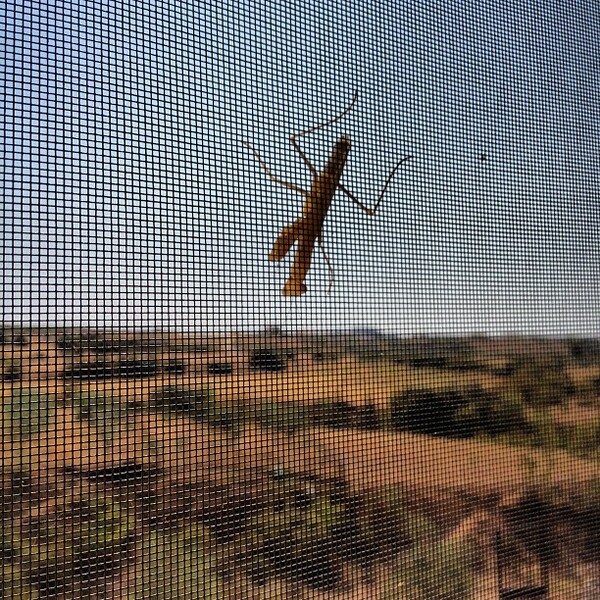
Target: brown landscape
<point>474,457</point>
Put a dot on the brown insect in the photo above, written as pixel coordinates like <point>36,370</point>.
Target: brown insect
<point>308,228</point>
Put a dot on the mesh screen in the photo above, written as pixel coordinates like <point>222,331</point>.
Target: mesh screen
<point>300,300</point>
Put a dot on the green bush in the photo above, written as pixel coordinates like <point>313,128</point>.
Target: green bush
<point>489,413</point>
<point>434,567</point>
<point>196,402</point>
<point>27,413</point>
<point>581,439</point>
<point>219,368</point>
<point>176,566</point>
<point>80,539</point>
<point>200,404</point>
<point>308,528</point>
<point>542,381</point>
<point>225,414</point>
<point>90,370</point>
<point>426,411</point>
<point>12,369</point>
<point>284,416</point>
<point>13,585</point>
<point>105,413</point>
<point>457,413</point>
<point>294,538</point>
<point>264,359</point>
<point>441,570</point>
<point>368,417</point>
<point>585,352</point>
<point>336,413</point>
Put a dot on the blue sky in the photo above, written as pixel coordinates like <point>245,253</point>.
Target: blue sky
<point>131,201</point>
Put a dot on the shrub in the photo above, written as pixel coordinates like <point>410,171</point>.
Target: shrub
<point>294,540</point>
<point>219,368</point>
<point>368,417</point>
<point>104,412</point>
<point>324,356</point>
<point>284,416</point>
<point>457,413</point>
<point>27,413</point>
<point>136,368</point>
<point>265,359</point>
<point>309,526</point>
<point>338,414</point>
<point>14,585</point>
<point>434,568</point>
<point>488,413</point>
<point>542,382</point>
<point>176,566</point>
<point>426,411</point>
<point>12,370</point>
<point>195,401</point>
<point>585,352</point>
<point>90,370</point>
<point>582,439</point>
<point>225,414</point>
<point>79,539</point>
<point>440,570</point>
<point>200,404</point>
<point>173,365</point>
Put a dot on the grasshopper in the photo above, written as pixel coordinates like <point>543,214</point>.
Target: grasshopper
<point>308,228</point>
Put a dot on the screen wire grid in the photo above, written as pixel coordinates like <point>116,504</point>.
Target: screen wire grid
<point>300,300</point>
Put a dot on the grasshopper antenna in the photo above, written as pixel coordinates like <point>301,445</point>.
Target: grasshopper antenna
<point>330,122</point>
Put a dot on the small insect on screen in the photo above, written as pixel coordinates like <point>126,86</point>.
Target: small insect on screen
<point>300,300</point>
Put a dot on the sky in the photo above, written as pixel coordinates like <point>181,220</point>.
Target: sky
<point>130,200</point>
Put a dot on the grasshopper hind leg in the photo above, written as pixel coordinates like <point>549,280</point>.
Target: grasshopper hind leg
<point>327,261</point>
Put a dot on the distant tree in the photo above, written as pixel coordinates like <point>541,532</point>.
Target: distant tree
<point>542,381</point>
<point>427,411</point>
<point>173,365</point>
<point>183,399</point>
<point>265,359</point>
<point>219,368</point>
<point>336,414</point>
<point>13,337</point>
<point>324,356</point>
<point>437,353</point>
<point>90,370</point>
<point>284,416</point>
<point>367,416</point>
<point>490,413</point>
<point>136,368</point>
<point>585,352</point>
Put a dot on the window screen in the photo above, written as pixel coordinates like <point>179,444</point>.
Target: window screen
<point>300,300</point>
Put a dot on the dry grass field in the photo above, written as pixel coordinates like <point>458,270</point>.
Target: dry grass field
<point>455,479</point>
